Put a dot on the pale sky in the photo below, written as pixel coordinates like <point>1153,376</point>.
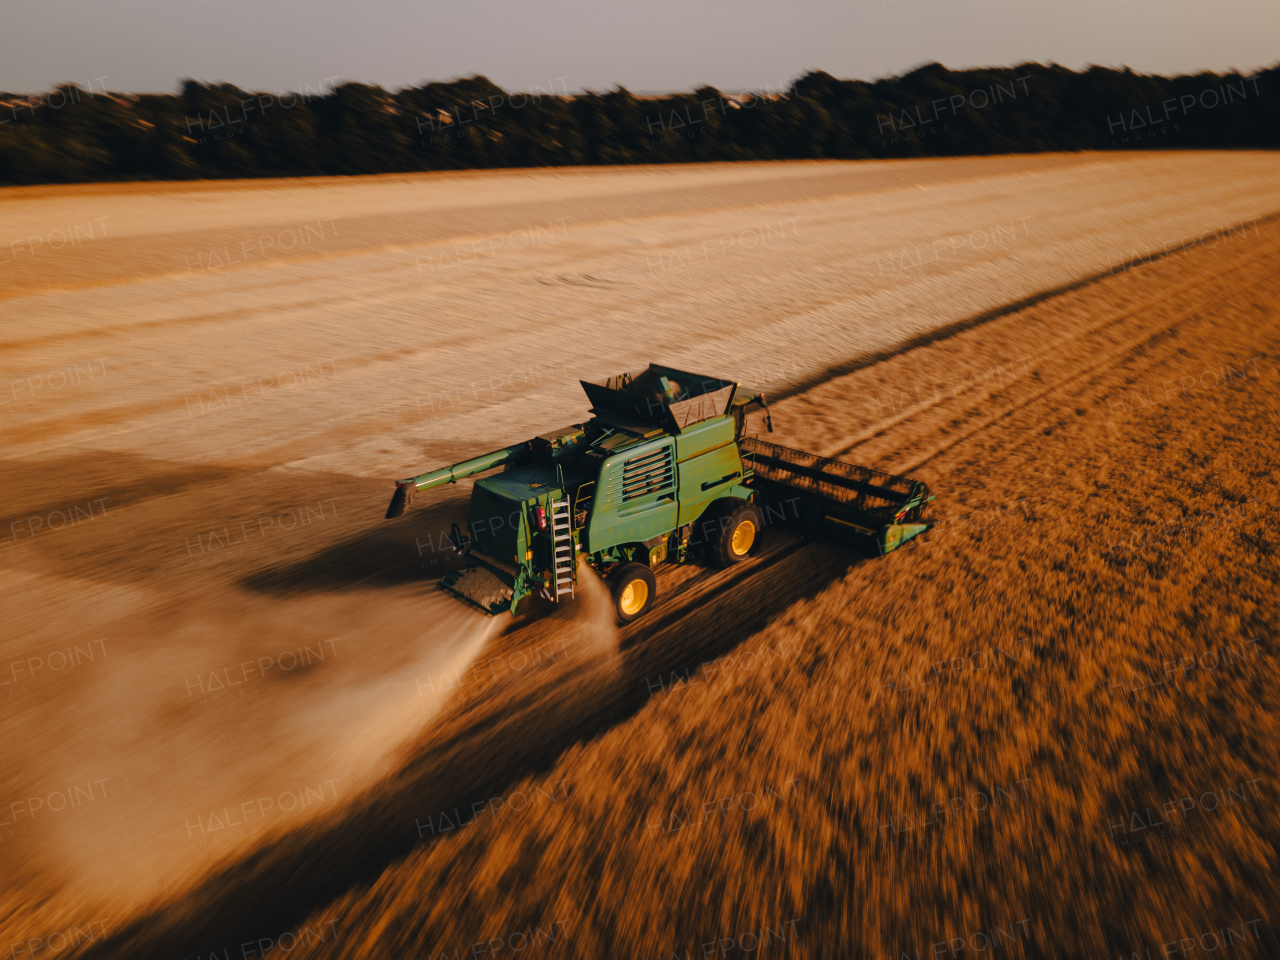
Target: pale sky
<point>645,45</point>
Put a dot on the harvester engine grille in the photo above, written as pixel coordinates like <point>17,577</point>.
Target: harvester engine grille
<point>647,474</point>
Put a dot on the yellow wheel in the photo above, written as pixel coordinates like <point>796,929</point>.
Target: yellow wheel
<point>633,597</point>
<point>744,535</point>
<point>633,588</point>
<point>740,524</point>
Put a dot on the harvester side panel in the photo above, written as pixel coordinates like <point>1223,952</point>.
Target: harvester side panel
<point>709,466</point>
<point>635,497</point>
<point>704,437</point>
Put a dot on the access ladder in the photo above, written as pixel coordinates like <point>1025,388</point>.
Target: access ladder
<point>563,564</point>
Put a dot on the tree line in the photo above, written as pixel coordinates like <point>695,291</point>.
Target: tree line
<point>217,130</point>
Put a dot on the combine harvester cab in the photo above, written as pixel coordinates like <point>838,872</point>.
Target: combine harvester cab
<point>661,473</point>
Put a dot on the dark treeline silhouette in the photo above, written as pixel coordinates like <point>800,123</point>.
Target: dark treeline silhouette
<point>217,130</point>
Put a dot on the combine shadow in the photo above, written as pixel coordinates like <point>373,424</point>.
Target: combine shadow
<point>388,553</point>
<point>472,753</point>
<point>678,641</point>
<point>104,482</point>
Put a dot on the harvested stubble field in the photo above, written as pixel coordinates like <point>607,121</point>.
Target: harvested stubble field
<point>1046,729</point>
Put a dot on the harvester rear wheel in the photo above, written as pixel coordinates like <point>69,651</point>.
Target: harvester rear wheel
<point>739,534</point>
<point>634,590</point>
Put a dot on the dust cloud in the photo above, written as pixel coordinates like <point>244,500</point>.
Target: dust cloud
<point>208,726</point>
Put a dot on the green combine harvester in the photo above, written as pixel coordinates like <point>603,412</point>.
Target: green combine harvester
<point>660,474</point>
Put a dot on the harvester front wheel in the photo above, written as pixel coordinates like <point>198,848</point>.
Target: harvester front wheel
<point>634,590</point>
<point>739,534</point>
